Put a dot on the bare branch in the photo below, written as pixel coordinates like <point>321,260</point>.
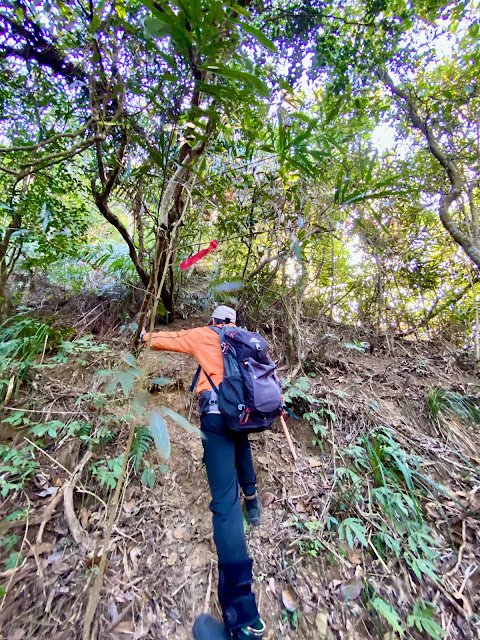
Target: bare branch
<point>44,143</point>
<point>456,181</point>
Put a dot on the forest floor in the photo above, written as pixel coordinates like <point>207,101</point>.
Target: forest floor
<point>309,582</point>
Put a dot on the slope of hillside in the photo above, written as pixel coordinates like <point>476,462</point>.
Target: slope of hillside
<point>376,518</point>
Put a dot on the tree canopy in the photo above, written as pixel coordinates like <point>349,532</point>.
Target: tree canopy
<point>331,148</point>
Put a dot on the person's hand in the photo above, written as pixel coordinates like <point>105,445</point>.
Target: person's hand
<point>142,335</point>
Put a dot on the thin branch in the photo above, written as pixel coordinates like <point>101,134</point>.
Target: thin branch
<point>44,143</point>
<point>54,158</point>
<point>285,251</point>
<point>456,181</point>
<point>437,310</point>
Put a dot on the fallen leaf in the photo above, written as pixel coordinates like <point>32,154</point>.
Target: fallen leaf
<point>464,603</point>
<point>268,498</point>
<point>92,561</point>
<point>314,462</point>
<point>45,547</point>
<point>354,555</point>
<point>129,505</point>
<point>57,482</point>
<point>172,559</point>
<point>300,507</point>
<point>84,517</point>
<point>112,610</point>
<point>321,622</point>
<point>51,491</point>
<point>351,589</point>
<point>186,535</point>
<point>200,557</point>
<point>125,626</point>
<point>289,599</point>
<point>262,460</point>
<point>178,533</point>
<point>61,567</point>
<point>135,553</point>
<point>272,587</point>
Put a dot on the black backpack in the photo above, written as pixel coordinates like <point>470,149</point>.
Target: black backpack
<point>250,395</point>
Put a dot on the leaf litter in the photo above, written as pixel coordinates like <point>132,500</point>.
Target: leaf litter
<point>162,550</point>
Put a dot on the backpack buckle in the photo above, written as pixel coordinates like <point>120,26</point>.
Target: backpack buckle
<point>244,416</point>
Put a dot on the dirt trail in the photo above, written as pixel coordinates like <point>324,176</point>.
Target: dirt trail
<point>162,556</point>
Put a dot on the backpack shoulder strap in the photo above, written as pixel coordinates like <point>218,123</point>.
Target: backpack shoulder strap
<point>195,379</point>
<point>199,369</point>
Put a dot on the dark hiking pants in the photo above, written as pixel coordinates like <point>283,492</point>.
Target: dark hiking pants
<point>228,460</point>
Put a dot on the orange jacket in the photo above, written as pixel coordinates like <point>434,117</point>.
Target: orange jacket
<point>202,343</point>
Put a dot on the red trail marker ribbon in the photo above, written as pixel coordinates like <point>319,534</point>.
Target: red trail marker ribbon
<point>198,256</point>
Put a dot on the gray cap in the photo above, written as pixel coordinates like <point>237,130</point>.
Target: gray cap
<point>224,313</point>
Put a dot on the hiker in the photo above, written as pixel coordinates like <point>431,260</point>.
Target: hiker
<point>228,462</point>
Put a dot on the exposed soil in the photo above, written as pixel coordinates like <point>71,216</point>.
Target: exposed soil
<point>162,556</point>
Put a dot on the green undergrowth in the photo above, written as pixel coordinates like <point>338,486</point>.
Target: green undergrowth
<point>376,510</point>
<point>28,344</point>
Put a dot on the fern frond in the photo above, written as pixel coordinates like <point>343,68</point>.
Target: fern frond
<point>141,444</point>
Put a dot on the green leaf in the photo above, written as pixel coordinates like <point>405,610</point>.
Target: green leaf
<point>248,79</point>
<point>15,560</point>
<point>259,35</point>
<point>388,612</point>
<point>298,252</point>
<point>15,515</point>
<point>159,430</point>
<point>9,541</point>
<point>422,619</point>
<point>353,526</point>
<point>126,381</point>
<point>161,381</point>
<point>148,477</point>
<point>167,24</point>
<point>139,403</point>
<point>180,420</point>
<point>129,359</point>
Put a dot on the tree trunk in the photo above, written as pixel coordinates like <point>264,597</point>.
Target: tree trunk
<point>14,225</point>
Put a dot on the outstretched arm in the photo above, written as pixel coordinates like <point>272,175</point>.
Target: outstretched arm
<point>183,341</point>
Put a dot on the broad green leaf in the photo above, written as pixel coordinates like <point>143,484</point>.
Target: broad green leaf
<point>129,359</point>
<point>139,403</point>
<point>14,560</point>
<point>180,420</point>
<point>148,477</point>
<point>259,35</point>
<point>161,381</point>
<point>388,612</point>
<point>126,379</point>
<point>422,619</point>
<point>247,78</point>
<point>159,429</point>
<point>371,196</point>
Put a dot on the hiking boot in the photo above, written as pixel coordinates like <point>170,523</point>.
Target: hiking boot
<point>255,632</point>
<point>253,510</point>
<point>207,628</point>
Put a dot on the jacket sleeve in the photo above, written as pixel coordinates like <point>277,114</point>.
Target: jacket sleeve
<point>183,341</point>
